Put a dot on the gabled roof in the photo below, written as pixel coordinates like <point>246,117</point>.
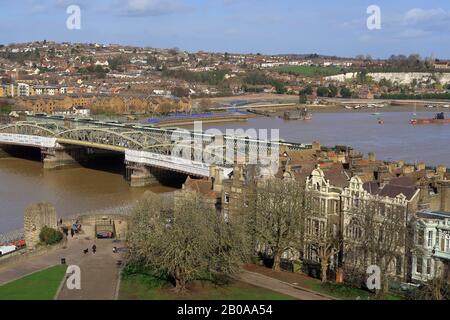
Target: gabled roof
<point>393,191</point>
<point>395,187</point>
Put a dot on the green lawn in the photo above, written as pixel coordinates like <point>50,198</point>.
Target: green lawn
<point>339,291</point>
<point>310,71</point>
<point>347,292</point>
<point>145,287</point>
<point>41,285</point>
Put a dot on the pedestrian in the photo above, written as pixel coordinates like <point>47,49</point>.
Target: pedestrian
<point>94,248</point>
<point>60,221</point>
<point>72,232</point>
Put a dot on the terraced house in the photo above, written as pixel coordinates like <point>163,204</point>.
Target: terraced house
<point>431,253</point>
<point>360,212</point>
<point>364,225</point>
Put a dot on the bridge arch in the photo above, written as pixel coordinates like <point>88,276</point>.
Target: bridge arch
<point>99,138</point>
<point>27,129</point>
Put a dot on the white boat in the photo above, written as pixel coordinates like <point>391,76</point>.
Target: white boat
<point>356,107</point>
<point>446,106</point>
<point>348,108</point>
<point>430,106</point>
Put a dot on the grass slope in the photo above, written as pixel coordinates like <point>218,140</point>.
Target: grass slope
<point>41,285</point>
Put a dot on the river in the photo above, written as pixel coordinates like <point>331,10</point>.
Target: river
<point>78,190</point>
<point>71,190</point>
<point>396,139</point>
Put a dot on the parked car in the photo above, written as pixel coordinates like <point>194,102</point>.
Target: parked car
<point>105,235</point>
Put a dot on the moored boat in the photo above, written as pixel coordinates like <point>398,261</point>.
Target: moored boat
<point>438,119</point>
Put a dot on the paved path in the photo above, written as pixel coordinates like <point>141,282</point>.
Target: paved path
<point>13,271</point>
<point>266,282</point>
<point>99,272</point>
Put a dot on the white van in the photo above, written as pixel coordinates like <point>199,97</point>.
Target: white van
<point>7,249</point>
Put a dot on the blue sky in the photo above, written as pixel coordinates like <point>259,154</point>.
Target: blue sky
<point>334,27</point>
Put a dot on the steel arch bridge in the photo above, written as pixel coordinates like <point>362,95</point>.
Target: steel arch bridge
<point>117,139</point>
<point>97,137</point>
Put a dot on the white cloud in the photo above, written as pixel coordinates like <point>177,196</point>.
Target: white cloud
<point>417,16</point>
<point>152,7</point>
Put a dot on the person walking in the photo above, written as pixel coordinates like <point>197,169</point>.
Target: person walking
<point>94,248</point>
<point>72,232</point>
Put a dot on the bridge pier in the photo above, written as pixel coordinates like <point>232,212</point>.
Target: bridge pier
<point>139,175</point>
<point>3,153</point>
<point>58,158</point>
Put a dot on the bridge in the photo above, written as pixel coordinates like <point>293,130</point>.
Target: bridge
<point>192,153</point>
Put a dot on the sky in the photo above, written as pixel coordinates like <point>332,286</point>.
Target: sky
<point>329,27</point>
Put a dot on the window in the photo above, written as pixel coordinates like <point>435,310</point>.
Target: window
<point>430,239</point>
<point>335,207</point>
<point>420,237</point>
<point>419,264</point>
<point>227,198</point>
<point>335,231</point>
<point>382,209</point>
<point>380,235</point>
<point>316,227</point>
<point>226,216</point>
<point>447,244</point>
<point>399,263</point>
<point>428,266</point>
<point>323,205</point>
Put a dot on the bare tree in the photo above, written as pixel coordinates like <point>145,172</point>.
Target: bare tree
<point>435,289</point>
<point>184,243</point>
<point>382,239</point>
<point>323,241</point>
<point>276,213</point>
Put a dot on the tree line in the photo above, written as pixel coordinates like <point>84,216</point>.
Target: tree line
<point>275,220</point>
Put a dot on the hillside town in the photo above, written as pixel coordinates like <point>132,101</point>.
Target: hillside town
<point>52,77</point>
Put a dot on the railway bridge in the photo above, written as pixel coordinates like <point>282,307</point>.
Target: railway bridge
<point>179,150</point>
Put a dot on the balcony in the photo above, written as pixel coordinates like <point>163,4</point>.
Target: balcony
<point>441,254</point>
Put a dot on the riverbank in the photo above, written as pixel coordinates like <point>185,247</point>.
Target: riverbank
<point>389,108</point>
<point>209,120</point>
<point>324,109</point>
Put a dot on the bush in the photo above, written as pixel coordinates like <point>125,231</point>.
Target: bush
<point>50,236</point>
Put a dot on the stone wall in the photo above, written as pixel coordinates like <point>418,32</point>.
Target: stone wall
<point>36,217</point>
<point>88,222</point>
